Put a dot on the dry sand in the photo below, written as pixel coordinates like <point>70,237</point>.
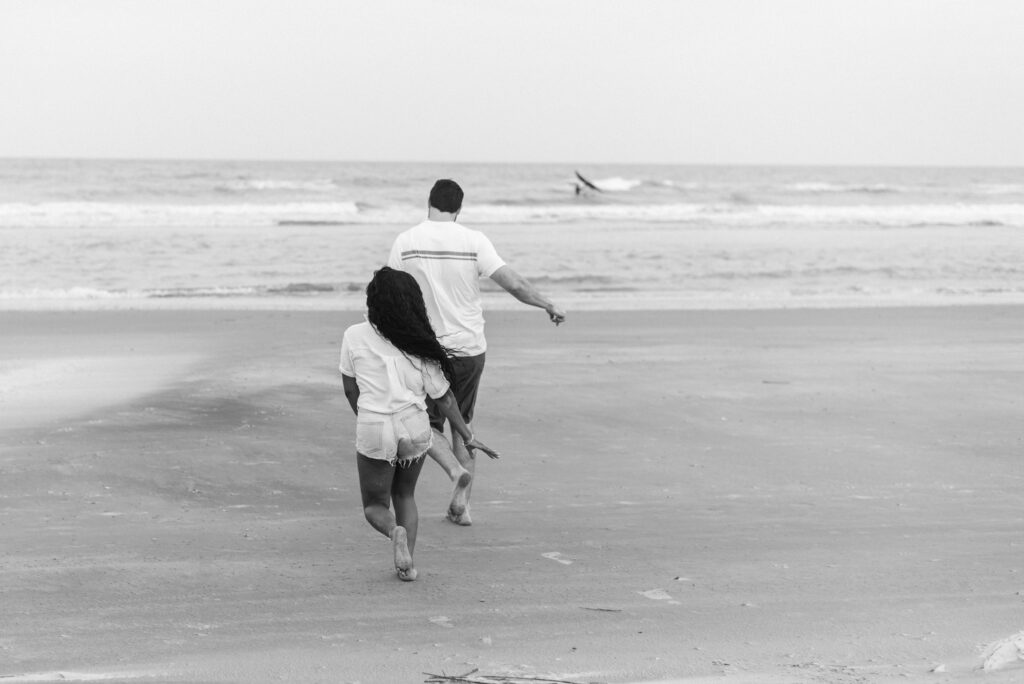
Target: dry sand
<point>788,496</point>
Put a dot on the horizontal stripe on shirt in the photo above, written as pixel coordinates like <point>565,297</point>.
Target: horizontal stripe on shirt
<point>430,254</point>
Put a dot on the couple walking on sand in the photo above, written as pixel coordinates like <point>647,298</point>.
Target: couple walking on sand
<point>417,361</point>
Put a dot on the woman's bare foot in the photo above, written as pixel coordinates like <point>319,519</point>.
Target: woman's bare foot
<point>403,558</point>
<point>460,495</point>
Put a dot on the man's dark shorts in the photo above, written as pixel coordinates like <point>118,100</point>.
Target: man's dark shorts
<point>468,370</point>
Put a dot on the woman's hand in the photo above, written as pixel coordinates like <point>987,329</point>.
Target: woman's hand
<point>477,444</point>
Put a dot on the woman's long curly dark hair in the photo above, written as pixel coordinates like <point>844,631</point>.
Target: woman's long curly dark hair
<point>396,309</point>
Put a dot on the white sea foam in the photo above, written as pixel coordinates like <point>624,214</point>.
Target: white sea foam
<point>617,184</point>
<point>825,187</point>
<point>72,214</point>
<point>70,293</point>
<point>887,215</point>
<point>998,188</point>
<point>726,214</point>
<point>98,214</point>
<point>245,185</point>
<point>92,293</point>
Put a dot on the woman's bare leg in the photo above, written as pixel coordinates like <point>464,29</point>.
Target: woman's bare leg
<point>375,481</point>
<point>403,491</point>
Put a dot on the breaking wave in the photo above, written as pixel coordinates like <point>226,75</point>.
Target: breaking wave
<point>618,184</point>
<point>244,185</point>
<point>823,187</point>
<point>72,214</point>
<point>732,213</point>
<point>223,292</point>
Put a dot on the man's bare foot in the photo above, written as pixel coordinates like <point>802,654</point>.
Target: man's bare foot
<point>460,495</point>
<point>403,559</point>
<point>461,519</point>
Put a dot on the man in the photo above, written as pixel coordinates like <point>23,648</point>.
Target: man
<point>447,259</point>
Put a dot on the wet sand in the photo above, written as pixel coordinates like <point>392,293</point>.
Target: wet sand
<point>773,496</point>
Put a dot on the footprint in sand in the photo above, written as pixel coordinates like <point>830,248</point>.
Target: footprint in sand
<point>557,557</point>
<point>659,595</point>
<point>1005,653</point>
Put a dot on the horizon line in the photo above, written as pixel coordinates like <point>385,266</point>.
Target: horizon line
<point>302,160</point>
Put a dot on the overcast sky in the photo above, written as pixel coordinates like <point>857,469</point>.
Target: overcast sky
<point>675,81</point>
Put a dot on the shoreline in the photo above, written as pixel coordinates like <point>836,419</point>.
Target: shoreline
<point>499,302</point>
<point>796,495</point>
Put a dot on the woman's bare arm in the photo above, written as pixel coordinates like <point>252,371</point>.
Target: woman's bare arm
<point>351,391</point>
<point>450,409</point>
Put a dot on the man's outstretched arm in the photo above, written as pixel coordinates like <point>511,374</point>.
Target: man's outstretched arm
<point>521,288</point>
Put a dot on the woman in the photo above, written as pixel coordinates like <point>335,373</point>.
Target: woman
<point>390,364</point>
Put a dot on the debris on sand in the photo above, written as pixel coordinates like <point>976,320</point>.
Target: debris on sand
<point>472,677</point>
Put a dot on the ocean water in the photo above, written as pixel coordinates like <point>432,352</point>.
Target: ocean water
<point>84,234</point>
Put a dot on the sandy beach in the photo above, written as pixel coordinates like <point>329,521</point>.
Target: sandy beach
<point>771,496</point>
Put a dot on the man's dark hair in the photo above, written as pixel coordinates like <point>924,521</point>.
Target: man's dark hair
<point>446,196</point>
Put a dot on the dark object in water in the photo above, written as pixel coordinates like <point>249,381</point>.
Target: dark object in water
<point>587,183</point>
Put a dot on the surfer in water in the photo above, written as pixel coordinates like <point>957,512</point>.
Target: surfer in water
<point>585,184</point>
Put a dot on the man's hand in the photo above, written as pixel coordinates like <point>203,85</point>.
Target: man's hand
<point>520,288</point>
<point>556,315</point>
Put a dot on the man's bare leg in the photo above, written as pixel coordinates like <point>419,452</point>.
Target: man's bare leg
<point>468,462</point>
<point>460,476</point>
<point>441,452</point>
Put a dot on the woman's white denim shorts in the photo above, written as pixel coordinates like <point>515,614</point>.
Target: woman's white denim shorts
<point>398,438</point>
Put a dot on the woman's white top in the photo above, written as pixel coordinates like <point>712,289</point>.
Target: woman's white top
<point>388,380</point>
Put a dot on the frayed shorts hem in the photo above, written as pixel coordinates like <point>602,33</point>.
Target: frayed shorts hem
<point>400,438</point>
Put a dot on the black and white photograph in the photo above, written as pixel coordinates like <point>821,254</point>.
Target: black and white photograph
<point>512,341</point>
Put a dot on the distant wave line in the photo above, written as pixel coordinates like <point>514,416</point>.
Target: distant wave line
<point>99,214</point>
<point>88,293</point>
<point>261,184</point>
<point>845,188</point>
